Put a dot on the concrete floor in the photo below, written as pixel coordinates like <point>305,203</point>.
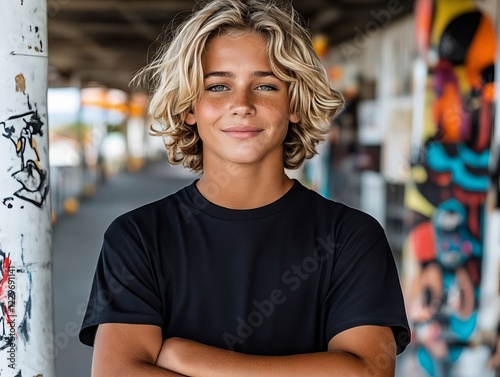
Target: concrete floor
<point>76,244</point>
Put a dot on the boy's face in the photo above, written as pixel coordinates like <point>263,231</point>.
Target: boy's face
<point>244,111</point>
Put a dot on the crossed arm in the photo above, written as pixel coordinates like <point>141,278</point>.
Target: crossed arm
<point>138,350</point>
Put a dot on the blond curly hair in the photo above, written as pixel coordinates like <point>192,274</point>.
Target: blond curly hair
<point>176,77</point>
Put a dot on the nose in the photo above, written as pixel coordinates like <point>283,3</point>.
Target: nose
<point>242,103</point>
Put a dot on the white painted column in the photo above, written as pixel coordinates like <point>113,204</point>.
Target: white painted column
<point>26,312</point>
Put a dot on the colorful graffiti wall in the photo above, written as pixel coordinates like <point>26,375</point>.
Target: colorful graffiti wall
<point>448,189</point>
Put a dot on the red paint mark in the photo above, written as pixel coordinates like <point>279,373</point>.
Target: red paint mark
<point>473,268</point>
<point>485,122</point>
<point>5,276</point>
<point>423,242</point>
<point>442,179</point>
<point>473,201</point>
<point>3,288</point>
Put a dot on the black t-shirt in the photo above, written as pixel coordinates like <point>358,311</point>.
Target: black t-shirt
<point>276,280</point>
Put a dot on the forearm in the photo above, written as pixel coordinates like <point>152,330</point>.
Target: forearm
<point>195,359</point>
<point>127,350</point>
<point>134,369</point>
<point>329,364</point>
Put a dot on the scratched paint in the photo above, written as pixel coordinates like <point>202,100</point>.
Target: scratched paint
<point>26,315</point>
<point>20,83</point>
<point>25,31</point>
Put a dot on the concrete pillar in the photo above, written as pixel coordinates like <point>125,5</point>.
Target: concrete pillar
<point>26,312</point>
<point>137,131</point>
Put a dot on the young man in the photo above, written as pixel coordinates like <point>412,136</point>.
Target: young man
<point>245,272</point>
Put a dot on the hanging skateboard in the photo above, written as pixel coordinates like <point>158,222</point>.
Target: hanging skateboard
<point>449,183</point>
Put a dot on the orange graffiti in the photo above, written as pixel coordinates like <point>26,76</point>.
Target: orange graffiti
<point>481,53</point>
<point>448,112</point>
<point>20,83</point>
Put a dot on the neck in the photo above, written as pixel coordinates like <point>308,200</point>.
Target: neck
<point>237,186</point>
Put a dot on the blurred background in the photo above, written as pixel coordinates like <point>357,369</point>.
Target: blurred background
<point>417,146</point>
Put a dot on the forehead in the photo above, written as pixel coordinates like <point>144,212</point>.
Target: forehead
<point>238,47</point>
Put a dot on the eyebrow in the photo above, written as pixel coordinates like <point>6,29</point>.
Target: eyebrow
<point>232,75</point>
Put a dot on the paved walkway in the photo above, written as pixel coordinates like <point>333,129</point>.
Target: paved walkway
<point>76,244</point>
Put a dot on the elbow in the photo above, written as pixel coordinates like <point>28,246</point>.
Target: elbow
<point>379,367</point>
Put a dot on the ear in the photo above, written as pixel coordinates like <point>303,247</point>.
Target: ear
<point>190,119</point>
<point>294,117</point>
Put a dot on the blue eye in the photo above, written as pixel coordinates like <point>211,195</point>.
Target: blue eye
<point>217,88</point>
<point>266,87</point>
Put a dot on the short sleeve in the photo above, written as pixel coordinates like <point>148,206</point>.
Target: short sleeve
<point>123,289</point>
<point>365,287</point>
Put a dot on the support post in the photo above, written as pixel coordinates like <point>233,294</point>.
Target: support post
<point>26,311</point>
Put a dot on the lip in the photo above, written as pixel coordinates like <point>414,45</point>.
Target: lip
<point>242,132</point>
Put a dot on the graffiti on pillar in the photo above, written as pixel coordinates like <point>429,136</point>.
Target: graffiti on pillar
<point>7,202</point>
<point>24,324</point>
<point>30,40</point>
<point>7,304</point>
<point>23,130</point>
<point>450,180</point>
<point>15,310</point>
<point>36,42</point>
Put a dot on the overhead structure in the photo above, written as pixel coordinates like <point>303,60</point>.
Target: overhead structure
<point>105,42</point>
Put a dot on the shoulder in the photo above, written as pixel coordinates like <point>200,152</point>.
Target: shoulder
<point>148,216</point>
<point>345,221</point>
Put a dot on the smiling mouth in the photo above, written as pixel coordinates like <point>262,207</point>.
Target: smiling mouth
<point>242,132</point>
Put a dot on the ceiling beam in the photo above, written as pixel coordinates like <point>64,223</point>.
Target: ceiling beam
<point>135,5</point>
<point>68,31</point>
<point>138,23</point>
<point>98,28</point>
